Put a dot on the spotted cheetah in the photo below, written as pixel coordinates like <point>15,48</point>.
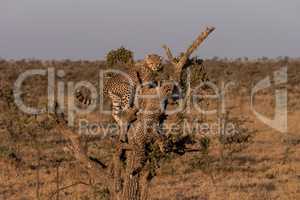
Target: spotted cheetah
<point>121,89</point>
<point>146,129</point>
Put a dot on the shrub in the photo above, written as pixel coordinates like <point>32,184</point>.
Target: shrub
<point>205,144</point>
<point>119,56</point>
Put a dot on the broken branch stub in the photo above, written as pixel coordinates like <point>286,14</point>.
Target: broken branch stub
<point>169,54</point>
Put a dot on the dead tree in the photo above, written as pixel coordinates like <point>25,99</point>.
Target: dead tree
<point>121,183</point>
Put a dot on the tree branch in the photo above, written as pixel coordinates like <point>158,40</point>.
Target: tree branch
<point>191,49</point>
<point>66,187</point>
<point>199,40</point>
<point>91,164</point>
<point>95,167</point>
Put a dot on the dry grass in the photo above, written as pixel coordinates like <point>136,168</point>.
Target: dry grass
<point>267,167</point>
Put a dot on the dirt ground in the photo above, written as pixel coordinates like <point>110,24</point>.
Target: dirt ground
<point>34,163</point>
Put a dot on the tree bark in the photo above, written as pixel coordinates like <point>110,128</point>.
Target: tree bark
<point>132,187</point>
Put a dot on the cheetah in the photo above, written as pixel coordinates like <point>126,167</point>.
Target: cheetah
<point>146,129</point>
<point>121,90</point>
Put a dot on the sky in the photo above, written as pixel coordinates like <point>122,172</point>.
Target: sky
<point>88,29</point>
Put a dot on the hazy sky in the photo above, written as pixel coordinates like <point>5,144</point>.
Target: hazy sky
<point>87,29</point>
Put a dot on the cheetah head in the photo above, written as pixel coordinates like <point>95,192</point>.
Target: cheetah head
<point>154,62</point>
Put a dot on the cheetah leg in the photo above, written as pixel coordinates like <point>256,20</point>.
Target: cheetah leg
<point>128,115</point>
<point>126,118</point>
<point>116,110</point>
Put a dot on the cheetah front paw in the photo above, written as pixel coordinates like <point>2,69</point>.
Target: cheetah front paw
<point>129,115</point>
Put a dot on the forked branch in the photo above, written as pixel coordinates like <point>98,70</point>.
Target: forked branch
<point>179,65</point>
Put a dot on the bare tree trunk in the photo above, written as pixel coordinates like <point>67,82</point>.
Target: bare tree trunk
<point>136,186</point>
<point>145,180</point>
<point>131,190</point>
<point>116,173</point>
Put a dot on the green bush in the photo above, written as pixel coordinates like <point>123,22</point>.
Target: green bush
<point>205,144</point>
<point>119,56</point>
